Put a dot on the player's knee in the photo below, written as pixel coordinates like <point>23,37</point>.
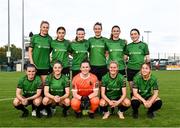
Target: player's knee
<point>75,104</point>
<point>37,101</point>
<point>95,101</point>
<point>16,102</point>
<point>67,102</point>
<point>45,101</point>
<point>102,103</point>
<point>126,102</point>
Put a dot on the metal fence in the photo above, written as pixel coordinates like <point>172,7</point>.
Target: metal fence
<point>159,61</point>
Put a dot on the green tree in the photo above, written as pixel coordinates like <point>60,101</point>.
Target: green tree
<point>3,57</point>
<point>16,53</point>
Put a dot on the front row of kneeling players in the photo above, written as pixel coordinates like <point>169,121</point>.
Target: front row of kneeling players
<point>85,92</point>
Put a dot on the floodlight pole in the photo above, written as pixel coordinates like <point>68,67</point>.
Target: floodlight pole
<point>147,35</point>
<point>8,56</point>
<point>22,68</point>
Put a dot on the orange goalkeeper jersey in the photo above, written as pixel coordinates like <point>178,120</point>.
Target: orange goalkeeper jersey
<point>83,86</point>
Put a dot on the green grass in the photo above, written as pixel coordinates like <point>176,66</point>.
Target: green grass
<point>168,116</point>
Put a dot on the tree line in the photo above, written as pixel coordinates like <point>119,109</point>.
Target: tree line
<point>16,53</point>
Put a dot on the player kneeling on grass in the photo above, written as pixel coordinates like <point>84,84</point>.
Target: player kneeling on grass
<point>85,91</point>
<point>56,90</point>
<point>113,92</point>
<point>143,83</point>
<point>28,91</point>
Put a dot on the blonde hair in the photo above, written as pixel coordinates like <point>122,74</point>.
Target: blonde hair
<point>114,62</point>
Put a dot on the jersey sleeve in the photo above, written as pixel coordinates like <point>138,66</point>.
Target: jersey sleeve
<point>104,81</point>
<point>48,80</point>
<point>68,45</point>
<point>135,82</point>
<point>126,52</point>
<point>146,50</point>
<point>125,45</point>
<point>74,82</point>
<point>66,82</point>
<point>155,85</point>
<point>123,82</point>
<point>32,42</point>
<point>51,46</point>
<point>87,44</point>
<point>96,83</point>
<point>20,83</point>
<point>39,83</point>
<point>105,43</point>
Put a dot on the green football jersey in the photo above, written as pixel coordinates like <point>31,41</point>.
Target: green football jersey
<point>136,53</point>
<point>145,87</point>
<point>29,88</point>
<point>60,51</point>
<point>97,49</point>
<point>113,86</point>
<point>57,86</point>
<point>79,52</point>
<point>116,50</point>
<point>41,51</point>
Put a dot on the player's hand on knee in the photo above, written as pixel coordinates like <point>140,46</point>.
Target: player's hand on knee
<point>24,102</point>
<point>111,103</point>
<point>57,99</point>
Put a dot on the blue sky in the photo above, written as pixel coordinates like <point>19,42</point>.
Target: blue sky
<point>162,17</point>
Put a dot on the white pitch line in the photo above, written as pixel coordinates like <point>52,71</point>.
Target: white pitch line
<point>5,99</point>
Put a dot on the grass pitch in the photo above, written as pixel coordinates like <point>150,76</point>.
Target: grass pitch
<point>168,116</point>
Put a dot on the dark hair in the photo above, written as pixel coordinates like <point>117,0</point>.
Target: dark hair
<point>44,22</point>
<point>98,23</point>
<point>60,28</point>
<point>85,61</point>
<point>79,29</point>
<point>135,29</point>
<point>30,66</point>
<point>115,26</point>
<point>58,62</point>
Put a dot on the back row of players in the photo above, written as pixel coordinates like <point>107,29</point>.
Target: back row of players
<point>100,52</point>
